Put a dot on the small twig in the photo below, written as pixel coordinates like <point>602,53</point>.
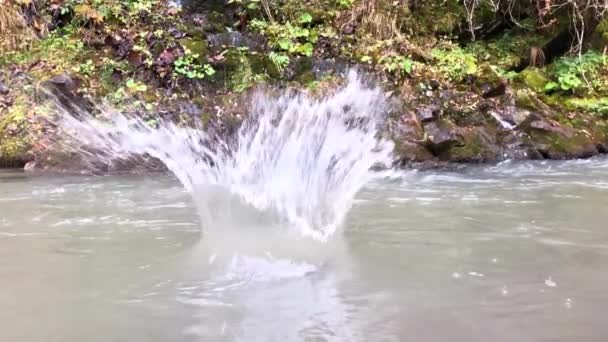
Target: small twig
<point>267,10</point>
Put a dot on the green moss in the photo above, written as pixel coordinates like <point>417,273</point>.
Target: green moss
<point>533,79</point>
<point>507,51</point>
<point>14,140</point>
<point>243,69</point>
<point>197,46</point>
<point>561,146</point>
<point>592,105</point>
<point>475,148</point>
<point>525,99</point>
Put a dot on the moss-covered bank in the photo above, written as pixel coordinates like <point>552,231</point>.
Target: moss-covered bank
<point>511,93</point>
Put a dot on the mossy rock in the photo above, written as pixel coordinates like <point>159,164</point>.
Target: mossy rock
<point>216,22</point>
<point>524,98</point>
<point>533,79</point>
<point>407,151</point>
<point>14,139</point>
<point>300,69</point>
<point>485,74</point>
<point>244,69</point>
<point>477,146</point>
<point>557,145</point>
<point>198,46</point>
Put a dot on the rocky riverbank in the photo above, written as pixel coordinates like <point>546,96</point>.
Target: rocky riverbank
<point>455,101</point>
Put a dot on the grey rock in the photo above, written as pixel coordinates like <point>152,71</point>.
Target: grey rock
<point>489,90</point>
<point>322,67</point>
<point>428,113</point>
<point>441,133</point>
<point>3,89</point>
<point>236,39</point>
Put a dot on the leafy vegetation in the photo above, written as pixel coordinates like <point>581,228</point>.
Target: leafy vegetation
<point>582,73</point>
<point>188,66</point>
<point>455,63</point>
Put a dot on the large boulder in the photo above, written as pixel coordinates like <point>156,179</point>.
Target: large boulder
<point>556,141</point>
<point>441,134</point>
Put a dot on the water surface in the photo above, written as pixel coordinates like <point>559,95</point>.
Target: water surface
<point>515,252</point>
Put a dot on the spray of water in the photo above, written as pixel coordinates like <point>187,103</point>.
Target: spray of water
<point>300,158</point>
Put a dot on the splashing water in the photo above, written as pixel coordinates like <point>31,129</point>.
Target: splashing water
<point>300,158</point>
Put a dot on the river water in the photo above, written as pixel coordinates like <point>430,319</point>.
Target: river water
<point>514,252</point>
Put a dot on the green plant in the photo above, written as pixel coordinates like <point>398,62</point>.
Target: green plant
<point>85,69</point>
<point>396,65</point>
<point>290,38</point>
<point>134,86</point>
<point>345,4</point>
<point>455,63</point>
<point>247,4</point>
<point>574,73</point>
<point>280,60</point>
<point>188,66</point>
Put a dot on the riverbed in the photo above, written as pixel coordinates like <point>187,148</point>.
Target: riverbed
<point>511,252</point>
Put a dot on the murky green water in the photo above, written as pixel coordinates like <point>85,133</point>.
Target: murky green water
<point>517,252</point>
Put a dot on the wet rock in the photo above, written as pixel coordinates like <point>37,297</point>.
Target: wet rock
<point>519,115</point>
<point>189,108</point>
<point>176,33</point>
<point>322,67</point>
<point>408,127</point>
<point>408,152</point>
<point>64,88</point>
<point>554,141</point>
<point>440,135</point>
<point>299,68</point>
<point>490,83</point>
<point>236,39</point>
<point>434,84</point>
<point>428,113</point>
<point>518,146</point>
<point>489,90</point>
<point>478,145</point>
<point>64,81</point>
<point>537,123</point>
<point>446,95</point>
<point>501,120</point>
<point>3,89</point>
<point>30,166</point>
<point>120,43</point>
<point>544,125</point>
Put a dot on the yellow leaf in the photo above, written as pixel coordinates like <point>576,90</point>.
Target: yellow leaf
<point>89,13</point>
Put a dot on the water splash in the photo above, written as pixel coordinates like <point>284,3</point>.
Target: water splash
<point>300,158</point>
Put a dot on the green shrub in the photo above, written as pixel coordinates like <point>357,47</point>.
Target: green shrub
<point>578,73</point>
<point>455,63</point>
